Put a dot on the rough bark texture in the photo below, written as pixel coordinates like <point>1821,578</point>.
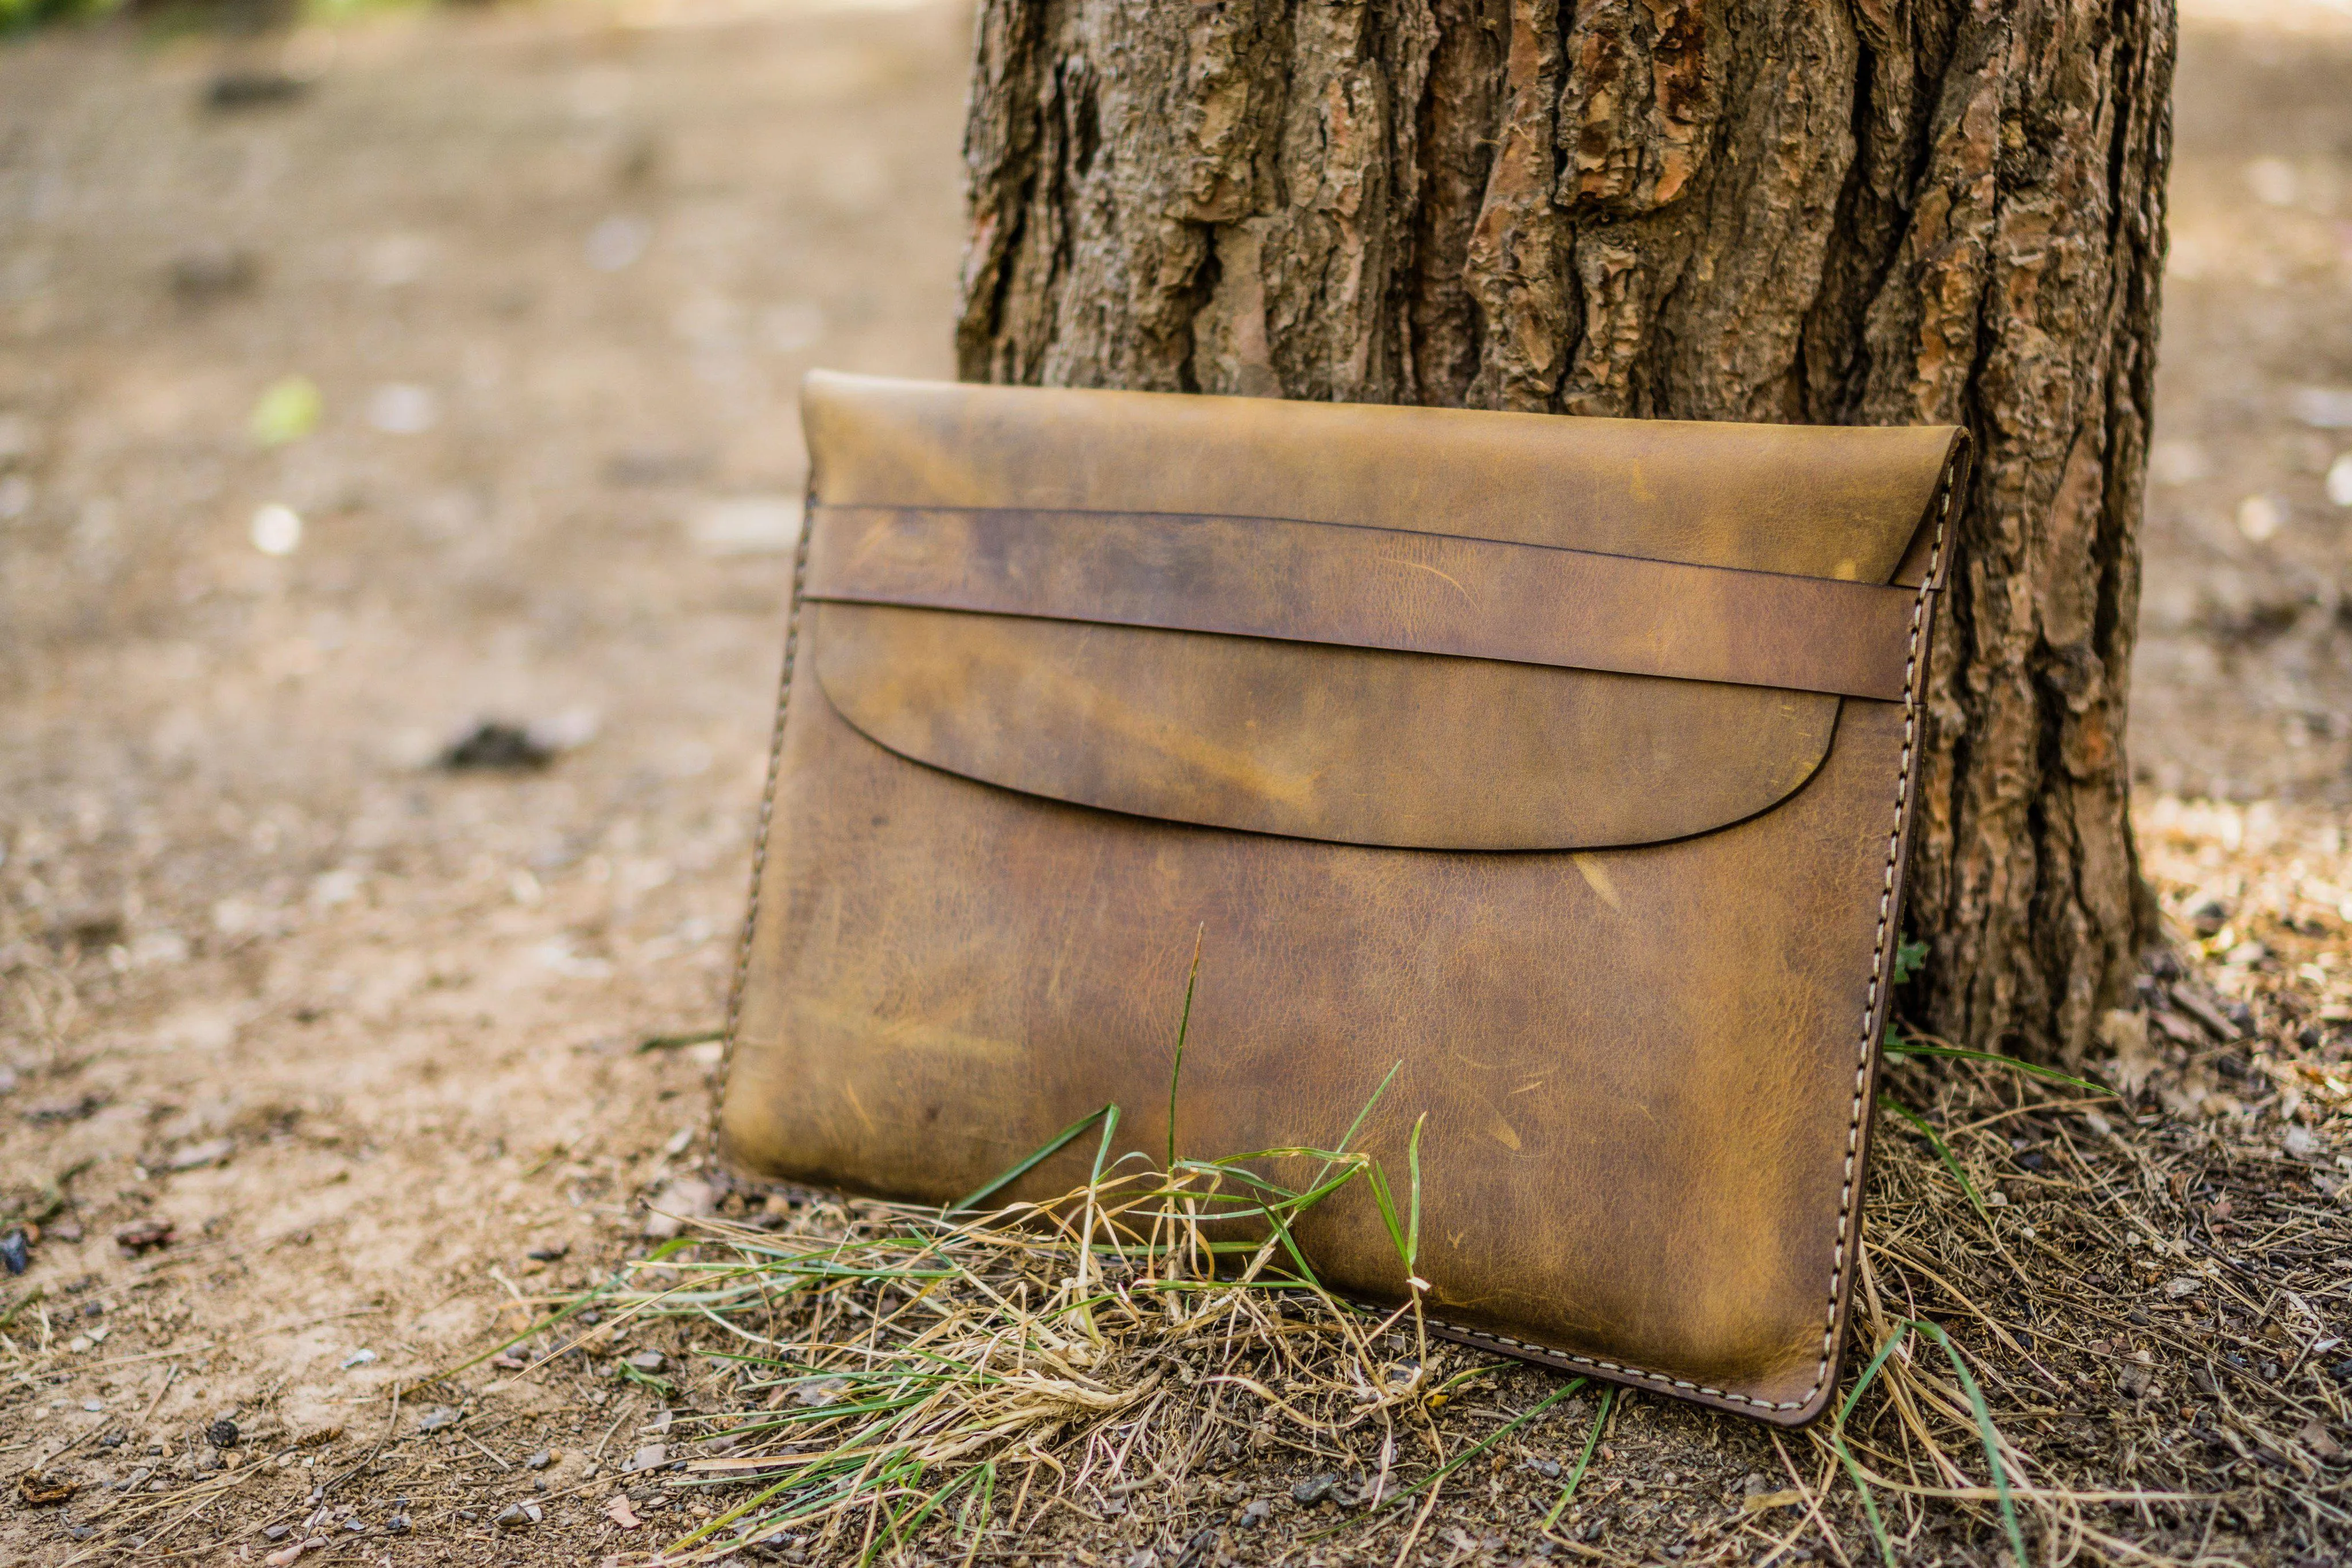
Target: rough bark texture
<point>1861,213</point>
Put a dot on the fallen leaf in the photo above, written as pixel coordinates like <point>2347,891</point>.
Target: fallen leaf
<point>44,1492</point>
<point>617,1510</point>
<point>2126,1034</point>
<point>1757,1502</point>
<point>145,1235</point>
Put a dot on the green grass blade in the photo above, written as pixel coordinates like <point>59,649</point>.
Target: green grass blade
<point>1985,1434</point>
<point>2031,1069</point>
<point>1845,1455</point>
<point>1869,1502</point>
<point>1591,1441</point>
<point>1413,1232</point>
<point>1183,1028</point>
<point>1339,1154</point>
<point>1307,1274</point>
<point>985,1491</point>
<point>1385,1201</point>
<point>1365,1111</point>
<point>1102,1151</point>
<point>1943,1151</point>
<point>1060,1141</point>
<point>900,1522</point>
<point>1870,1373</point>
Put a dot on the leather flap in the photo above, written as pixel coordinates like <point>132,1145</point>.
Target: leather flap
<point>1413,627</point>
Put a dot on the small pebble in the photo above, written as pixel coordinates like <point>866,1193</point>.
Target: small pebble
<point>495,747</point>
<point>222,1434</point>
<point>275,1531</point>
<point>1314,1490</point>
<point>397,1524</point>
<point>648,1360</point>
<point>538,1461</point>
<point>1255,1513</point>
<point>439,1418</point>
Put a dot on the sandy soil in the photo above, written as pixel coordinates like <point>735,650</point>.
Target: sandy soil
<point>2243,685</point>
<point>362,1031</point>
<point>237,905</point>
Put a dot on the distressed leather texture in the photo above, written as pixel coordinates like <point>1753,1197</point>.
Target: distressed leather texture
<point>1565,762</point>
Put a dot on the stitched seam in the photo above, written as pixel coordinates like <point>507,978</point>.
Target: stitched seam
<point>1847,1194</point>
<point>759,838</point>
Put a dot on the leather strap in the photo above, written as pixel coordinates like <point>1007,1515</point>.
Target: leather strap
<point>1372,588</point>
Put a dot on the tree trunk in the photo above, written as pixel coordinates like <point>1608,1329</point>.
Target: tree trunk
<point>1878,211</point>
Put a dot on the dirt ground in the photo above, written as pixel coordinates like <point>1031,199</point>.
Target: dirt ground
<point>340,1039</point>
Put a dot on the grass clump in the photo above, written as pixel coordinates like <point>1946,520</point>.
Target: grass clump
<point>882,1382</point>
<point>902,1370</point>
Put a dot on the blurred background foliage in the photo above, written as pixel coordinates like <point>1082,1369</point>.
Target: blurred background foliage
<point>232,16</point>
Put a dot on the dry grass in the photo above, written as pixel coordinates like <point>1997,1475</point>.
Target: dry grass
<point>2055,1356</point>
<point>2099,1325</point>
<point>902,1375</point>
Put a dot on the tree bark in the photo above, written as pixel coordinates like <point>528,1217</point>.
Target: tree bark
<point>1874,212</point>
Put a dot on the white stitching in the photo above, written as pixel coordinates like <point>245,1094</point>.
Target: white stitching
<point>1911,703</point>
<point>760,839</point>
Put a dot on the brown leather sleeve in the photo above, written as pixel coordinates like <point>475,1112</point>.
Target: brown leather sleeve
<point>1628,934</point>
